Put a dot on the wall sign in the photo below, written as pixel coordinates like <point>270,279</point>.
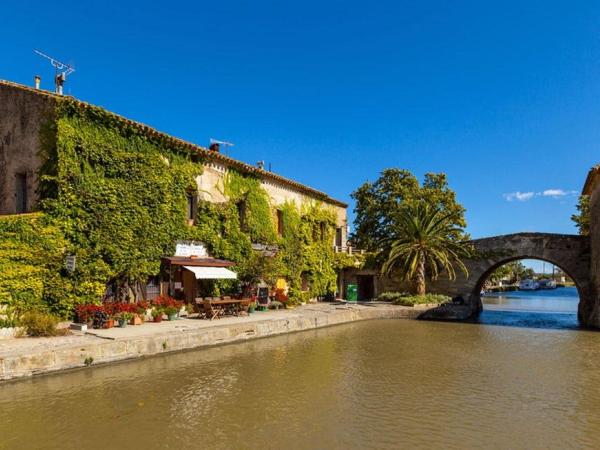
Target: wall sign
<point>190,248</point>
<point>70,263</point>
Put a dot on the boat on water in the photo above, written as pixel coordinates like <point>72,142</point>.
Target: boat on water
<point>547,284</point>
<point>529,285</point>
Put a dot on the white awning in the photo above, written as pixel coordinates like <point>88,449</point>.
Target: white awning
<point>211,273</point>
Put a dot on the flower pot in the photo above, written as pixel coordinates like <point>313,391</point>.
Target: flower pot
<point>110,323</point>
<point>122,323</point>
<point>136,320</point>
<point>158,319</point>
<point>173,316</point>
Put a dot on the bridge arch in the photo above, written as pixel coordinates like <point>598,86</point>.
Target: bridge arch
<point>569,252</point>
<point>485,275</point>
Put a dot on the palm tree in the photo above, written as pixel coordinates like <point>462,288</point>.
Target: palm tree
<point>427,241</point>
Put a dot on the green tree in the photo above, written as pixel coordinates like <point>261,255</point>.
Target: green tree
<point>379,205</point>
<point>582,218</point>
<point>512,271</point>
<point>425,243</point>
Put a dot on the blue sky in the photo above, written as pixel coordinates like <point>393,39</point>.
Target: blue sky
<point>501,96</point>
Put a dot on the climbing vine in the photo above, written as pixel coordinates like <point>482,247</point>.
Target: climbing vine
<point>252,203</point>
<point>120,194</point>
<point>304,254</point>
<point>32,256</point>
<point>114,196</point>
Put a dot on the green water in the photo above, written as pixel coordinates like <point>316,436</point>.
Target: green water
<point>375,384</point>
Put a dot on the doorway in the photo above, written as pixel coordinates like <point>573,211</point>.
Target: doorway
<point>366,287</point>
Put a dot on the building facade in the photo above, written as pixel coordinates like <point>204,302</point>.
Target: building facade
<point>28,120</point>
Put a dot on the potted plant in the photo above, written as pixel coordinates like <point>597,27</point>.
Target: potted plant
<point>171,312</point>
<point>157,314</point>
<point>251,308</point>
<point>123,318</point>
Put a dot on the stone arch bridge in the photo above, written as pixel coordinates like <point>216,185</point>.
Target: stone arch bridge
<point>569,252</point>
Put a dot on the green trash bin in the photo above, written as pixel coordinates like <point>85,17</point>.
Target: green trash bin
<point>352,293</point>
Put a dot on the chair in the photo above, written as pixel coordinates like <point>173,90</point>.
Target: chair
<point>199,307</point>
<point>211,311</point>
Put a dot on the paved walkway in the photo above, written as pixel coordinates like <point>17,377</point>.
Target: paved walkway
<point>22,357</point>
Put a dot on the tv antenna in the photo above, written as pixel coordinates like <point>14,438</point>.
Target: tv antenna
<point>216,144</point>
<point>62,70</point>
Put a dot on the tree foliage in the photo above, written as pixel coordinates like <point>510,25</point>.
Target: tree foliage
<point>512,272</point>
<point>380,205</point>
<point>582,217</point>
<point>424,243</point>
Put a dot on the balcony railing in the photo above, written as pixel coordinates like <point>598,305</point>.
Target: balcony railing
<point>348,249</point>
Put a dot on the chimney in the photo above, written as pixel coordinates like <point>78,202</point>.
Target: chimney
<point>215,147</point>
<point>37,81</point>
<point>59,81</point>
<point>261,165</point>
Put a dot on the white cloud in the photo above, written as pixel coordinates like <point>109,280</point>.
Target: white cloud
<point>525,196</point>
<point>556,193</point>
<point>520,196</point>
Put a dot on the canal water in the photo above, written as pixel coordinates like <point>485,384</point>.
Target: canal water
<point>375,384</point>
<point>556,308</point>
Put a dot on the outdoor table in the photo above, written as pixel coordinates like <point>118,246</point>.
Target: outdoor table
<point>230,306</point>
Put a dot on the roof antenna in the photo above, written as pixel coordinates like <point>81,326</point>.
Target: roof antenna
<point>61,71</point>
<point>215,145</point>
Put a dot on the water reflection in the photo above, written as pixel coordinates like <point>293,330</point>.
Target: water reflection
<point>376,384</point>
<point>553,309</point>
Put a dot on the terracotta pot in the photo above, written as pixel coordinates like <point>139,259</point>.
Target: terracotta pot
<point>110,323</point>
<point>136,320</point>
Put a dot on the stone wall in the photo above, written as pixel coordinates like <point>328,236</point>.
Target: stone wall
<point>69,352</point>
<point>21,117</point>
<point>594,237</point>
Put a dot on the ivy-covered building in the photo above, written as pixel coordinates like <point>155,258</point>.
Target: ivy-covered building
<point>118,195</point>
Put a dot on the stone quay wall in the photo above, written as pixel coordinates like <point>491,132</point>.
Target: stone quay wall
<point>28,356</point>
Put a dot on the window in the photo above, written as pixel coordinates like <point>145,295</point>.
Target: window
<point>152,288</point>
<point>279,223</point>
<point>241,207</point>
<point>338,237</point>
<point>192,203</point>
<point>304,283</point>
<point>322,231</point>
<point>21,193</point>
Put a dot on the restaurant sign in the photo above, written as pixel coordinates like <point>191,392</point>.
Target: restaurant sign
<point>190,248</point>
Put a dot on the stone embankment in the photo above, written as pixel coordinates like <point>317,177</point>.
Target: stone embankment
<point>26,357</point>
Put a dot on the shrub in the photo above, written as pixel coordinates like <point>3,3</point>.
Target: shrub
<point>8,323</point>
<point>405,299</point>
<point>391,296</point>
<point>40,324</point>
